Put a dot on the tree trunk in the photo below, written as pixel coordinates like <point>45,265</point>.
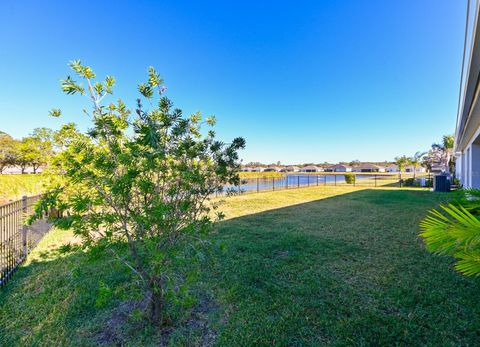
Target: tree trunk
<point>156,302</point>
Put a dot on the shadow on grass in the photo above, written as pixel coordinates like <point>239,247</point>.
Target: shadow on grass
<point>345,270</point>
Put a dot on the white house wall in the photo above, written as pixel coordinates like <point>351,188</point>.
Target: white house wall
<point>468,163</point>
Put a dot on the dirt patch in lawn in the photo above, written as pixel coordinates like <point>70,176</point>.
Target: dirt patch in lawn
<point>197,326</point>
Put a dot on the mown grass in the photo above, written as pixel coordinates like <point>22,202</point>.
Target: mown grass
<point>13,187</point>
<point>316,266</point>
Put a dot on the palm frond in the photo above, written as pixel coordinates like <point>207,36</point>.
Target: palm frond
<point>468,263</point>
<point>454,232</point>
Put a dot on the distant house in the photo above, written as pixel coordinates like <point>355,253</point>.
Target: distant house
<point>290,169</point>
<point>339,168</point>
<point>311,168</point>
<point>368,168</point>
<point>247,169</point>
<point>258,169</point>
<point>392,168</point>
<point>271,169</point>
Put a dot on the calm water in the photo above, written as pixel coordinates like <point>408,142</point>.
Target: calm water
<point>300,180</point>
<point>290,181</point>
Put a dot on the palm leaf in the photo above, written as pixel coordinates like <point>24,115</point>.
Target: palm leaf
<point>454,232</point>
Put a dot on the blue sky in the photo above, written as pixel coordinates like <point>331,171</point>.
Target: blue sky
<point>302,81</point>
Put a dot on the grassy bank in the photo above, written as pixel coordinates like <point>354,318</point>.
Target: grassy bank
<point>261,174</point>
<point>307,267</point>
<point>12,187</point>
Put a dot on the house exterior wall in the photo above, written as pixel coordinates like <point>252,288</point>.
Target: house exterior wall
<point>468,163</point>
<point>467,133</point>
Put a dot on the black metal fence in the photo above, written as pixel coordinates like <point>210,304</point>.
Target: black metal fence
<point>293,181</point>
<point>16,238</point>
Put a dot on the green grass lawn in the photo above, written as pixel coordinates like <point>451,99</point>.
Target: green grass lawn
<point>12,187</point>
<point>316,266</point>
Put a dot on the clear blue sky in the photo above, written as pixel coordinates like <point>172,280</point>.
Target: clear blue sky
<point>302,81</point>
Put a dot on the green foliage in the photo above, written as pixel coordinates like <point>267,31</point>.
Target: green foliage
<point>32,151</point>
<point>145,177</point>
<point>416,161</point>
<point>349,178</point>
<point>401,162</point>
<point>443,152</point>
<point>455,231</point>
<point>36,149</point>
<point>8,151</point>
<point>411,182</point>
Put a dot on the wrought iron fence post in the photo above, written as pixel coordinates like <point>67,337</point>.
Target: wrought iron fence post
<point>24,226</point>
<point>298,181</point>
<point>354,179</point>
<point>335,179</point>
<point>324,180</point>
<point>375,180</point>
<point>317,179</point>
<point>286,181</point>
<point>400,181</point>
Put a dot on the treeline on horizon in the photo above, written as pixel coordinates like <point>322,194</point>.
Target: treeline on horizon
<point>33,151</point>
<point>324,164</point>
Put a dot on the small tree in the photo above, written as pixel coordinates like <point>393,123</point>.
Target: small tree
<point>28,153</point>
<point>401,163</point>
<point>416,161</point>
<point>37,149</point>
<point>8,151</point>
<point>444,152</point>
<point>145,180</point>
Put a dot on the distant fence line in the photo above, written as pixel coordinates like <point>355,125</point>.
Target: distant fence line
<point>16,238</point>
<point>354,179</point>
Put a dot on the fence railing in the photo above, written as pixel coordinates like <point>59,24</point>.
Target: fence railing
<point>16,238</point>
<point>354,179</point>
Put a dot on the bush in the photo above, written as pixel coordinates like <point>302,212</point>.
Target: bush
<point>144,177</point>
<point>349,178</point>
<point>411,182</point>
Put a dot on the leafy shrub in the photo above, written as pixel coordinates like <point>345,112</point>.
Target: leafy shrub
<point>411,182</point>
<point>349,178</point>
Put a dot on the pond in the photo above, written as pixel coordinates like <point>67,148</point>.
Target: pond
<point>291,181</point>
